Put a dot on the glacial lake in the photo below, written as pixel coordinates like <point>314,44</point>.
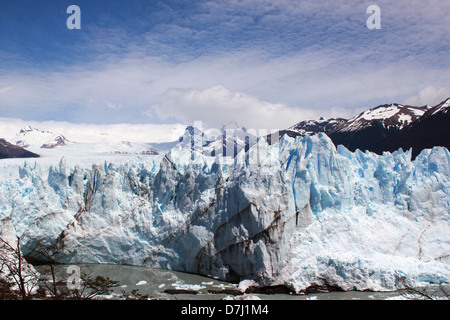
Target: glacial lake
<point>153,282</point>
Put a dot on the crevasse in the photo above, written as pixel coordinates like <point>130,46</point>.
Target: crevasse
<point>298,213</point>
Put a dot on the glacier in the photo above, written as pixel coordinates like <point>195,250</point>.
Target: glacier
<point>297,213</point>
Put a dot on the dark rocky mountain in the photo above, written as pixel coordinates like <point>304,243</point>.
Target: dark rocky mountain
<point>368,129</point>
<point>385,128</point>
<point>310,127</point>
<point>8,150</point>
<point>432,129</point>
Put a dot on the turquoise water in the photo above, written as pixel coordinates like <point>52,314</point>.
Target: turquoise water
<point>153,282</point>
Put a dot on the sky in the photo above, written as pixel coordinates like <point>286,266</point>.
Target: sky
<point>259,63</point>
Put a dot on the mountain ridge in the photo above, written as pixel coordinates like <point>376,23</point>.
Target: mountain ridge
<point>9,150</point>
<point>386,127</point>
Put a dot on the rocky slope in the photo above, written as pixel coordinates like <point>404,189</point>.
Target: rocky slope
<point>9,150</point>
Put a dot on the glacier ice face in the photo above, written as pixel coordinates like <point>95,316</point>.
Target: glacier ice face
<point>297,213</point>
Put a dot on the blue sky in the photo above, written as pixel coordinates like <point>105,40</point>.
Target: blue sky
<point>255,62</point>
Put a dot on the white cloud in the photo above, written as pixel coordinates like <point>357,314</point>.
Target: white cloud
<point>429,96</point>
<point>254,89</point>
<point>6,88</point>
<point>89,133</point>
<point>216,106</point>
<point>332,66</point>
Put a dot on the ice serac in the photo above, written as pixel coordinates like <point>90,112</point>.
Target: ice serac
<point>298,213</point>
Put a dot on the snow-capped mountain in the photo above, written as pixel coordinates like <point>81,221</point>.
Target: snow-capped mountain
<point>441,108</point>
<point>35,138</point>
<point>383,128</point>
<point>228,141</point>
<point>366,130</point>
<point>60,139</point>
<point>389,116</point>
<point>431,129</point>
<point>309,127</point>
